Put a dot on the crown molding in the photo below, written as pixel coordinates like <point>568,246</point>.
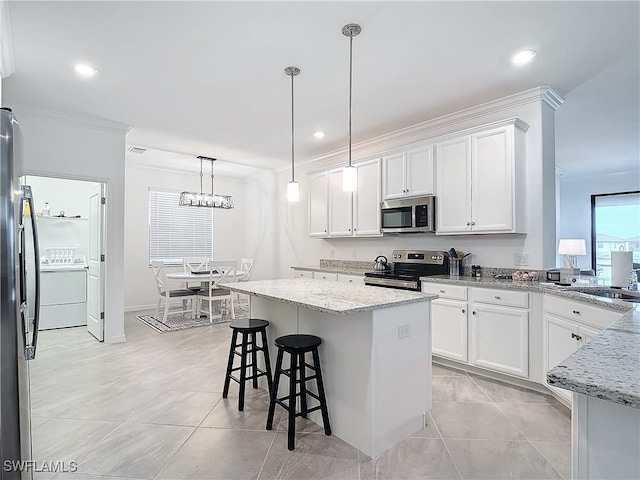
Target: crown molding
<point>430,128</point>
<point>7,64</point>
<point>72,119</point>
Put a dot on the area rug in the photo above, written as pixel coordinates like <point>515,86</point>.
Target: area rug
<point>182,321</point>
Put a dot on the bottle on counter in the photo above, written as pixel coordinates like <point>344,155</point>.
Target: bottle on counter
<point>46,210</point>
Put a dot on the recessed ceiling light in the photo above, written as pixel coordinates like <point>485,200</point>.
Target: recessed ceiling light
<point>85,70</point>
<point>523,57</point>
<point>318,134</point>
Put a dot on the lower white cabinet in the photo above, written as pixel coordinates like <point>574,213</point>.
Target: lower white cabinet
<point>302,274</point>
<point>449,329</point>
<point>355,279</point>
<point>500,339</point>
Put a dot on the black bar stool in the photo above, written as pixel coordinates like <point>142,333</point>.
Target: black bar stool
<point>248,328</point>
<point>297,346</point>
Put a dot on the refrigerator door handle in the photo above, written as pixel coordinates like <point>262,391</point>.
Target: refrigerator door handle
<point>29,347</point>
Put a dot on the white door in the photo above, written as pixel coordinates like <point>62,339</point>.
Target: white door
<point>420,171</point>
<point>366,201</point>
<point>340,206</point>
<point>449,329</point>
<point>492,184</point>
<point>318,205</point>
<point>95,284</point>
<point>453,186</point>
<point>500,339</point>
<point>394,176</point>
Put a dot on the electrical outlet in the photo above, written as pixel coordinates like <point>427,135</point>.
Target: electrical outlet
<point>353,254</point>
<point>520,259</point>
<point>332,253</point>
<point>404,331</point>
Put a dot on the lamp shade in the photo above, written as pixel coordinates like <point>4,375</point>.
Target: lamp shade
<point>572,246</point>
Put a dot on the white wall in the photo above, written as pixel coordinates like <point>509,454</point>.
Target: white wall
<point>229,226</point>
<point>84,148</point>
<point>575,205</point>
<point>278,230</point>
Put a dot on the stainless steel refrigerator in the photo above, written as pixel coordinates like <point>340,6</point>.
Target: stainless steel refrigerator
<point>19,303</point>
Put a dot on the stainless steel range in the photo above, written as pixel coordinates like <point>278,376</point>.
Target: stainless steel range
<point>408,267</point>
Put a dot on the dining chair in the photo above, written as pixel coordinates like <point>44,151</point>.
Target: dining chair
<point>220,271</point>
<point>195,265</point>
<point>246,267</point>
<point>165,293</point>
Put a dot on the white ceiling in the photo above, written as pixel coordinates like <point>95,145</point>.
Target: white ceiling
<point>207,78</point>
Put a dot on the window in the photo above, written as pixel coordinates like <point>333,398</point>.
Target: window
<point>176,232</point>
<point>615,225</point>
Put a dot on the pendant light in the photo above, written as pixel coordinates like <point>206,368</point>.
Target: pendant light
<point>293,187</point>
<point>350,173</point>
<point>193,199</point>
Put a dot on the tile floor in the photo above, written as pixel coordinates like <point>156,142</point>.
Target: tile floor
<point>151,408</point>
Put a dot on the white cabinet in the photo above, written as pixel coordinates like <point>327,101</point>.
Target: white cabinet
<point>302,274</point>
<point>567,326</point>
<point>480,181</point>
<point>332,277</point>
<point>318,201</point>
<point>355,279</point>
<point>355,214</point>
<point>63,301</point>
<point>409,173</point>
<point>500,330</point>
<point>449,319</point>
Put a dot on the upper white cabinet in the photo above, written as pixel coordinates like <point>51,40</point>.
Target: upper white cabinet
<point>318,201</point>
<point>480,181</point>
<point>408,174</point>
<point>358,213</point>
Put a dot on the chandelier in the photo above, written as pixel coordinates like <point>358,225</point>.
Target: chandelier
<point>211,200</point>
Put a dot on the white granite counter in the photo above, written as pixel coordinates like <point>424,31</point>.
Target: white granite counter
<point>608,367</point>
<point>335,298</point>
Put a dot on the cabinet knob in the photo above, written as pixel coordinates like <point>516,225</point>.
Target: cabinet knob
<point>473,223</point>
<point>349,229</point>
<point>577,337</point>
<point>473,312</point>
<point>441,291</point>
<point>576,312</point>
<point>468,223</point>
<point>464,311</point>
<point>497,297</point>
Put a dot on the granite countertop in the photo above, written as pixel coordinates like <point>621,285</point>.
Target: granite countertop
<point>328,297</point>
<point>608,367</point>
<point>340,269</point>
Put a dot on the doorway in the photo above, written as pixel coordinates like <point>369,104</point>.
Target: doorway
<point>70,218</point>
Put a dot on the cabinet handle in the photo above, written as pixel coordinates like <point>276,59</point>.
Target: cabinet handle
<point>349,229</point>
<point>473,312</point>
<point>441,291</point>
<point>464,311</point>
<point>497,297</point>
<point>576,312</point>
<point>468,223</point>
<point>577,337</point>
<point>473,223</point>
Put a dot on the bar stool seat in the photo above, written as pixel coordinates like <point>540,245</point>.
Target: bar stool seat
<point>247,328</point>
<point>297,346</point>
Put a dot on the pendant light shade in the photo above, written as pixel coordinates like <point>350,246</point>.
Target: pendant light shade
<point>293,187</point>
<point>350,173</point>
<point>193,199</point>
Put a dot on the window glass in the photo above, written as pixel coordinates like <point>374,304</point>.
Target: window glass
<point>615,226</point>
<point>177,231</point>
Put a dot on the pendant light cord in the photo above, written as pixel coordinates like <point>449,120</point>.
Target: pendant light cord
<point>350,89</point>
<point>292,133</point>
<point>201,192</point>
<point>212,176</point>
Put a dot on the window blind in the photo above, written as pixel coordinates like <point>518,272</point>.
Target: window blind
<point>176,231</point>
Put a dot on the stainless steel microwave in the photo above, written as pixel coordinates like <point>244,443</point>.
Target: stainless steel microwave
<point>408,215</point>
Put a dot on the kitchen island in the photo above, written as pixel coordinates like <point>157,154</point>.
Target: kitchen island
<point>375,352</point>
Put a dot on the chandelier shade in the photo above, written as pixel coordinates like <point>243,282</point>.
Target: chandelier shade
<point>210,200</point>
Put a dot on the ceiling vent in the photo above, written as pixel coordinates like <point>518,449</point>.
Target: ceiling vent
<point>137,150</point>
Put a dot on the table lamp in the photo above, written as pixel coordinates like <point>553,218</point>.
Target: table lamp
<point>570,248</point>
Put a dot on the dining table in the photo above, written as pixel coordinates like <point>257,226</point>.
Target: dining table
<point>202,277</point>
